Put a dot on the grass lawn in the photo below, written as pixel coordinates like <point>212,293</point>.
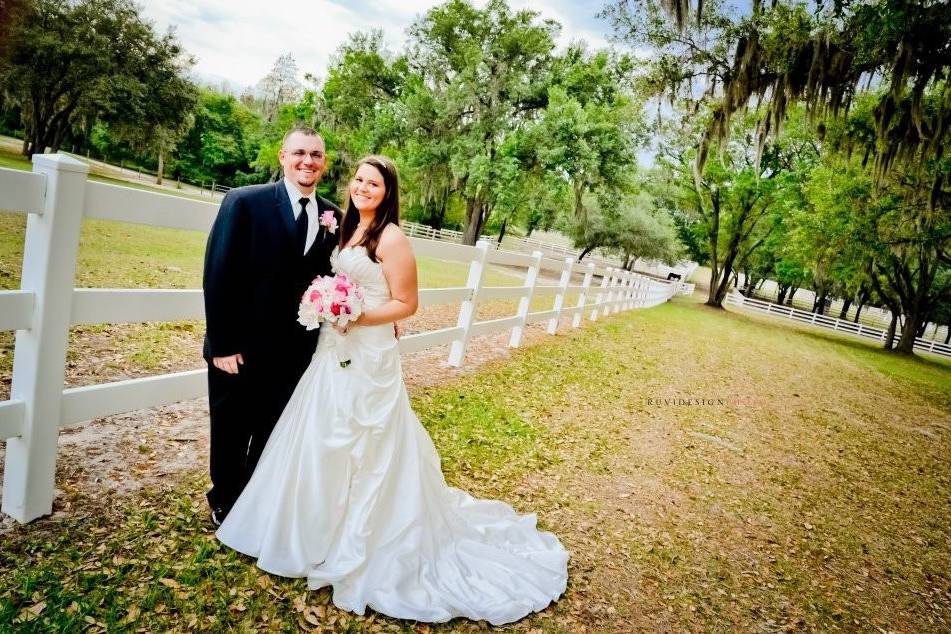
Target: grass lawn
<point>707,471</point>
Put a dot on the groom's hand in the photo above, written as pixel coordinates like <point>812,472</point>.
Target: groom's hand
<point>228,364</point>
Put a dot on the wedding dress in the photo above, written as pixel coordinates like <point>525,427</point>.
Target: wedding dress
<point>349,493</point>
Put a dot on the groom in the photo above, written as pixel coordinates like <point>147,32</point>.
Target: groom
<point>266,245</point>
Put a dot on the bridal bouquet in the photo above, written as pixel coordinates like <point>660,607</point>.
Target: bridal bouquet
<point>333,299</point>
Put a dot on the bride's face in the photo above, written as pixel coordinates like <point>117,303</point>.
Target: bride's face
<point>367,188</point>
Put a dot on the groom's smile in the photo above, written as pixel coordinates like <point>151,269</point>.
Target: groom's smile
<point>303,158</point>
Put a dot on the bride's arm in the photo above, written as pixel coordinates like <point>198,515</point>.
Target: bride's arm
<point>399,267</point>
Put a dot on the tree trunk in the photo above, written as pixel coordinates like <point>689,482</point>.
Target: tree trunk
<point>505,222</point>
<point>792,293</point>
<point>473,228</point>
<point>750,287</point>
<point>906,344</point>
<point>581,214</point>
<point>586,251</point>
<point>441,218</point>
<point>719,290</point>
<point>712,292</point>
<point>161,167</point>
<point>890,333</point>
<point>947,337</point>
<point>846,305</point>
<point>781,294</point>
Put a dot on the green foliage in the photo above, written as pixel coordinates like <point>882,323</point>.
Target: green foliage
<point>221,143</point>
<point>631,227</point>
<point>68,65</point>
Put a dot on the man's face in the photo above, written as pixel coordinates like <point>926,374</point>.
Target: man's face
<point>303,160</point>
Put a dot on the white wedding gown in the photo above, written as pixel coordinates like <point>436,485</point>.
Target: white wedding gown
<point>349,493</point>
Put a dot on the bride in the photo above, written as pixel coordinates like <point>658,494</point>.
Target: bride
<point>349,491</point>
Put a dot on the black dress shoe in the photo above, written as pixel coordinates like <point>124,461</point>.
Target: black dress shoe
<point>218,515</point>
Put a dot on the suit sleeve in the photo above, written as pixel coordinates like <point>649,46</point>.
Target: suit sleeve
<point>226,260</point>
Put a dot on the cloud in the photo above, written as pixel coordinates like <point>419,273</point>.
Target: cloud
<point>239,40</point>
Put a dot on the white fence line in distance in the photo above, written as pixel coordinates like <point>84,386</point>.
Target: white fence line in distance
<point>830,323</point>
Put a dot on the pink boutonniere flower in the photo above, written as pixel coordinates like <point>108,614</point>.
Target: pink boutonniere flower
<point>328,220</point>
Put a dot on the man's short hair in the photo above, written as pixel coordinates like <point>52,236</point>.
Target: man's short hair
<point>300,129</point>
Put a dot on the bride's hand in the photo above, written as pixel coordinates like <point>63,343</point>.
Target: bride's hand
<point>344,329</point>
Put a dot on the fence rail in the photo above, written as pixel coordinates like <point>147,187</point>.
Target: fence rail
<point>831,323</point>
<point>57,195</point>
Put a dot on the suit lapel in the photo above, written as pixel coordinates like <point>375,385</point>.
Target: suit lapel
<point>323,235</point>
<point>283,205</point>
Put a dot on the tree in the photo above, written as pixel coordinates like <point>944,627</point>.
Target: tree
<point>630,226</point>
<point>368,120</point>
<point>728,203</point>
<point>222,142</point>
<point>786,53</point>
<point>590,129</point>
<point>485,71</point>
<point>280,86</point>
<point>91,60</point>
<point>911,269</point>
<point>892,237</point>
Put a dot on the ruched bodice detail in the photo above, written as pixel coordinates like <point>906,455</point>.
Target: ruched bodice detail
<point>357,265</point>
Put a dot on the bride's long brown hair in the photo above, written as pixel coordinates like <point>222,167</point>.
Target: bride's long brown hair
<point>387,212</point>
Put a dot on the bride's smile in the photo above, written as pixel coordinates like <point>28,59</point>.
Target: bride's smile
<point>366,188</point>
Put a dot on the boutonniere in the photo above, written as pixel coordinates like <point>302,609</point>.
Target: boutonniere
<point>328,221</point>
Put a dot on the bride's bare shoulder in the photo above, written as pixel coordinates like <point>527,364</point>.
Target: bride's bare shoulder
<point>393,240</point>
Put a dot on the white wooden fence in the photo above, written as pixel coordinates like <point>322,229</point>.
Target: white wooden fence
<point>57,195</point>
<point>831,323</point>
<point>805,298</point>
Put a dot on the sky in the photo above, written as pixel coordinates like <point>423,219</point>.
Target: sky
<point>237,41</point>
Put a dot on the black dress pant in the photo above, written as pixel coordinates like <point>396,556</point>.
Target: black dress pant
<point>244,408</point>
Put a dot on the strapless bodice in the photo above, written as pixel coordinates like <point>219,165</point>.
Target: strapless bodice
<point>367,274</point>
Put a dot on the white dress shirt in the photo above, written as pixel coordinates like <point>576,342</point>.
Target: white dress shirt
<point>313,214</point>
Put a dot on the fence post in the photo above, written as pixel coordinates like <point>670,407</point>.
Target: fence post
<point>50,248</point>
<point>621,291</point>
<point>599,298</point>
<point>583,296</point>
<point>608,301</point>
<point>560,297</point>
<point>629,292</point>
<point>531,279</point>
<point>467,311</point>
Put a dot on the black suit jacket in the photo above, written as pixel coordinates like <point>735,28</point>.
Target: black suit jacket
<point>255,276</point>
